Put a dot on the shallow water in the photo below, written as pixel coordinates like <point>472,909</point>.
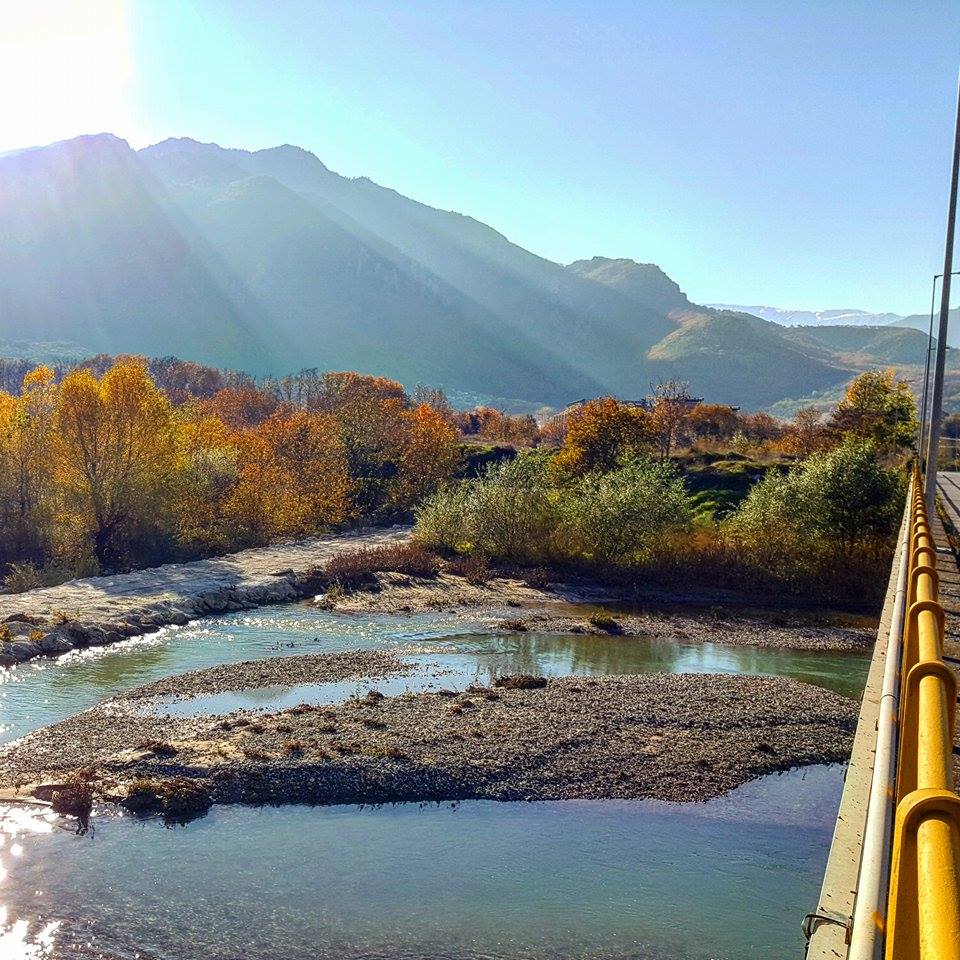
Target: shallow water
<point>45,691</point>
<point>728,880</point>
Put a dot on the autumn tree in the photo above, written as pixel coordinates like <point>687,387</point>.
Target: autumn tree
<point>26,464</point>
<point>879,408</point>
<point>242,406</point>
<point>806,433</point>
<point>713,422</point>
<point>292,479</point>
<point>115,447</point>
<point>429,454</point>
<point>669,412</point>
<point>600,433</point>
<point>370,417</point>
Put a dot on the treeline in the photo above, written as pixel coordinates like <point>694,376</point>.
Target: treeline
<point>102,468</point>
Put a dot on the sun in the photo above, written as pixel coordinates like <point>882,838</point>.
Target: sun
<point>65,69</point>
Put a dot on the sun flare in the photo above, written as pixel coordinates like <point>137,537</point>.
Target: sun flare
<point>65,69</point>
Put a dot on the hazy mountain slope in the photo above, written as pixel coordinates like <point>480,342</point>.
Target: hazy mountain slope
<point>268,261</point>
<point>644,283</point>
<point>921,322</point>
<point>811,318</point>
<point>342,304</point>
<point>728,356</point>
<point>92,251</point>
<point>589,327</point>
<point>892,344</point>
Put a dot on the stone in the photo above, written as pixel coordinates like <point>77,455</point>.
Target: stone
<point>55,643</point>
<point>96,637</point>
<point>24,650</point>
<point>20,628</point>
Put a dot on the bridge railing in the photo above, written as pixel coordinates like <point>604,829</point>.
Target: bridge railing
<point>923,911</point>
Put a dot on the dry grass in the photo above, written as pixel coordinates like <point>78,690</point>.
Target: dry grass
<point>357,567</point>
<point>474,568</point>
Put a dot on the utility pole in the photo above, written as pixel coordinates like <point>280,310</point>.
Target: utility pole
<point>936,406</point>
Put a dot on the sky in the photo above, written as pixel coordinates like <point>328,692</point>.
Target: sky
<point>787,154</point>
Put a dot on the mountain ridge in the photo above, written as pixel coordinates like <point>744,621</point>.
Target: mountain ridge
<point>268,260</point>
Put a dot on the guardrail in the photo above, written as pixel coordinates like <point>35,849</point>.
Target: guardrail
<point>923,911</point>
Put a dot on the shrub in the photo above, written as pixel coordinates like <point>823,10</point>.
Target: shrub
<point>29,576</point>
<point>357,566</point>
<point>613,517</point>
<point>842,496</point>
<point>508,513</point>
<point>473,568</point>
<point>440,520</point>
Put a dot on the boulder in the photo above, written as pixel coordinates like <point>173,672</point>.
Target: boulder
<point>24,650</point>
<point>55,643</point>
<point>19,628</point>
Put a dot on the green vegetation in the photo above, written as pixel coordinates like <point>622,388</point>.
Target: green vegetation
<point>816,503</point>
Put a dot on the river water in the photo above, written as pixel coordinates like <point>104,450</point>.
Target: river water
<point>727,879</point>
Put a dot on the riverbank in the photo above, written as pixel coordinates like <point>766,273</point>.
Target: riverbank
<point>564,606</point>
<point>97,611</point>
<point>666,737</point>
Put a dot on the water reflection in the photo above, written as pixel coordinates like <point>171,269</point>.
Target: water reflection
<point>45,691</point>
<point>723,880</point>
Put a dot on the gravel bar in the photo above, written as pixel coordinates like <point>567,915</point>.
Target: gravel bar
<point>668,737</point>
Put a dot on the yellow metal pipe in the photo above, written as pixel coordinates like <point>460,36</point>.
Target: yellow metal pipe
<point>938,887</point>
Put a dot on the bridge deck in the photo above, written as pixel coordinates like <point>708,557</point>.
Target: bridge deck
<point>949,570</point>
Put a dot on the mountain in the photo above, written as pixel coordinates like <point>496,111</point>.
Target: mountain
<point>644,283</point>
<point>898,346</point>
<point>921,322</point>
<point>813,318</point>
<point>92,250</point>
<point>268,261</point>
<point>726,356</point>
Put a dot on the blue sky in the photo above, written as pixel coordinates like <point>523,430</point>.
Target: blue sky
<point>794,154</point>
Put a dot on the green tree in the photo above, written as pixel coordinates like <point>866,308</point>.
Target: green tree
<point>879,408</point>
<point>841,496</point>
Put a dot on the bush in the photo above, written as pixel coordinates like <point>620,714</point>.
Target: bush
<point>613,517</point>
<point>440,520</point>
<point>28,576</point>
<point>842,496</point>
<point>473,568</point>
<point>511,513</point>
<point>508,513</point>
<point>357,566</point>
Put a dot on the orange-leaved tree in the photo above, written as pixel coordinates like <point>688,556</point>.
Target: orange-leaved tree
<point>599,434</point>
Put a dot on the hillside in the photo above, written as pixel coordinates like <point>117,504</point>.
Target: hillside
<point>720,352</point>
<point>268,261</point>
<point>921,322</point>
<point>865,346</point>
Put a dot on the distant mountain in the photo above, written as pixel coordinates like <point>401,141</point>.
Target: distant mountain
<point>268,261</point>
<point>921,322</point>
<point>727,356</point>
<point>898,346</point>
<point>92,250</point>
<point>813,318</point>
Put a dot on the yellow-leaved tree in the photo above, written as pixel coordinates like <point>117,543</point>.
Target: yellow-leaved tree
<point>115,449</point>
